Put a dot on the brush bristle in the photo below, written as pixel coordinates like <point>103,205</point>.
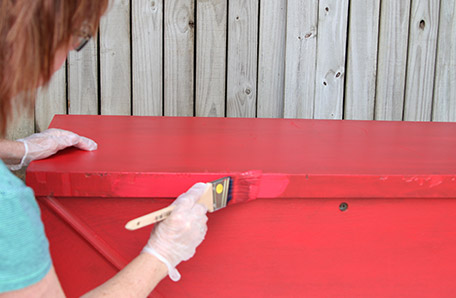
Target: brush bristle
<point>244,187</point>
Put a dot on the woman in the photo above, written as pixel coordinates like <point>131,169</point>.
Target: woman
<point>35,37</point>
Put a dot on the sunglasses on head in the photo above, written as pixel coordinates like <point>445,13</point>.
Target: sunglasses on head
<point>80,42</point>
<point>82,37</point>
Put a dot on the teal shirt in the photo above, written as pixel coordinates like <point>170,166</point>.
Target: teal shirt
<point>24,249</point>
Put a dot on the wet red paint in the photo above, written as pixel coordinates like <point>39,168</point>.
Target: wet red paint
<point>244,187</point>
<point>396,238</point>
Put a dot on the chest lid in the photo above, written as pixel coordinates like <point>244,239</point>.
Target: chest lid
<point>141,156</point>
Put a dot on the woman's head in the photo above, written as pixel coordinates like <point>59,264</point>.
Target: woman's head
<point>35,37</point>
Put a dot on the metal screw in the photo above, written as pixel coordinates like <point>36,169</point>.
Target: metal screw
<point>343,206</point>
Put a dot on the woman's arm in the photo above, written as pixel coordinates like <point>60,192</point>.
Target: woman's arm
<point>137,279</point>
<point>174,240</point>
<point>16,154</point>
<point>49,286</point>
<point>11,152</point>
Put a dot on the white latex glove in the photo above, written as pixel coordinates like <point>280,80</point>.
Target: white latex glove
<point>48,142</point>
<point>175,239</point>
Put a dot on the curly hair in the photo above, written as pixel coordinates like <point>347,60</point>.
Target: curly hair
<point>31,32</point>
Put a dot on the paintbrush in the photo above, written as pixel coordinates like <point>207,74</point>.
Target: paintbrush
<point>218,194</point>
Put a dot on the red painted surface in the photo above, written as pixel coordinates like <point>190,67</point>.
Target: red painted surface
<point>396,239</point>
<point>162,157</point>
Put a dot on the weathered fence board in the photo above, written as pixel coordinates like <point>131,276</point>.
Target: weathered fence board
<point>329,59</point>
<point>421,60</point>
<point>301,53</point>
<point>362,60</point>
<point>22,123</point>
<point>147,62</point>
<point>271,58</point>
<point>392,59</point>
<point>115,60</point>
<point>178,57</point>
<point>445,79</point>
<point>330,77</point>
<point>242,58</point>
<point>51,100</point>
<point>211,58</point>
<point>83,80</point>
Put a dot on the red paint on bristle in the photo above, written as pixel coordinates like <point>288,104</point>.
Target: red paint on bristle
<point>245,186</point>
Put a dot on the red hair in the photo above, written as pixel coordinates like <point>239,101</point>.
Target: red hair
<point>31,32</point>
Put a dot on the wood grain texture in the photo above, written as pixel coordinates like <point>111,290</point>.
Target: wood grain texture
<point>147,58</point>
<point>196,82</point>
<point>242,58</point>
<point>301,55</point>
<point>22,122</point>
<point>271,60</point>
<point>444,108</point>
<point>51,100</point>
<point>178,60</point>
<point>392,59</point>
<point>424,24</point>
<point>83,80</point>
<point>115,59</point>
<point>362,60</point>
<point>211,58</point>
<point>330,73</point>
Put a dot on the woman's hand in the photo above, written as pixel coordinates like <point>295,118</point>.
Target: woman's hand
<point>48,142</point>
<point>175,239</point>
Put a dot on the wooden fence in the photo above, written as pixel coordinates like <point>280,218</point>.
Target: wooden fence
<point>331,59</point>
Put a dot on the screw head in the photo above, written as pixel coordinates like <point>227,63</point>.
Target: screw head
<point>343,206</point>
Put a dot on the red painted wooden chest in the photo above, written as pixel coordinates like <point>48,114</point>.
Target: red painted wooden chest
<point>345,208</point>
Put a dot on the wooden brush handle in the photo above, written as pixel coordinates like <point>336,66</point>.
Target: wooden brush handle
<point>149,219</point>
<point>159,215</point>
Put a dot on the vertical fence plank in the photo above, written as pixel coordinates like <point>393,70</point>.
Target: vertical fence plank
<point>115,59</point>
<point>242,58</point>
<point>445,80</point>
<point>51,100</point>
<point>179,47</point>
<point>313,86</point>
<point>211,58</point>
<point>362,59</point>
<point>392,59</point>
<point>83,80</point>
<point>330,74</point>
<point>424,22</point>
<point>271,64</point>
<point>22,123</point>
<point>147,60</point>
<point>301,53</point>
